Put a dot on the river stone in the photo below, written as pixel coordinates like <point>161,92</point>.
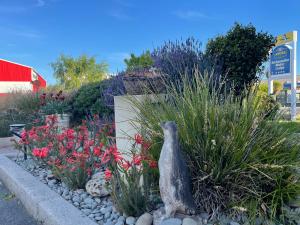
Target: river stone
<point>130,220</point>
<point>174,180</point>
<point>145,219</point>
<point>171,221</point>
<point>189,221</point>
<point>96,186</point>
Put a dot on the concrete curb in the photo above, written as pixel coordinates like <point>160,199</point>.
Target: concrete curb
<point>40,201</point>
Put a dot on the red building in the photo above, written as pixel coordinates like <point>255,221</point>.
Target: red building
<point>14,76</point>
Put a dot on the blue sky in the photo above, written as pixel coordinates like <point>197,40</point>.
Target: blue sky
<point>36,32</point>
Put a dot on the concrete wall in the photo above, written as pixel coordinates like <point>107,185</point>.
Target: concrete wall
<point>125,120</point>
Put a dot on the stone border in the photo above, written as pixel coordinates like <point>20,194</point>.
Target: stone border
<point>39,200</point>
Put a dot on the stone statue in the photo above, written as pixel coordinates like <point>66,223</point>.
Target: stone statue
<point>174,181</point>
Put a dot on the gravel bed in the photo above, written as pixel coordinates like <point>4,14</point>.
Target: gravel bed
<point>100,210</point>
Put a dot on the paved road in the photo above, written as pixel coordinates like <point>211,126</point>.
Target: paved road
<point>12,211</point>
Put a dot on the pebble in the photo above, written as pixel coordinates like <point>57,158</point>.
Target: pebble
<point>130,220</point>
<point>120,223</point>
<point>145,219</point>
<point>234,223</point>
<point>171,221</point>
<point>189,221</point>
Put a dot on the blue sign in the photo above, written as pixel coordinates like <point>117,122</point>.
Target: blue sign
<point>280,61</point>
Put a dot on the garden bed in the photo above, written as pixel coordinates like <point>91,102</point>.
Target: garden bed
<point>100,210</point>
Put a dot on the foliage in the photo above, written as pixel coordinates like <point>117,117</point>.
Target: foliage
<point>179,58</point>
<point>236,157</point>
<point>54,103</point>
<point>71,154</point>
<point>139,62</point>
<point>130,180</point>
<point>277,86</point>
<point>18,107</point>
<point>263,88</point>
<point>240,54</point>
<point>96,98</point>
<point>74,72</point>
<point>290,126</point>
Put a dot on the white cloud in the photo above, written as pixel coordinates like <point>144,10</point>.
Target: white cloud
<point>190,15</point>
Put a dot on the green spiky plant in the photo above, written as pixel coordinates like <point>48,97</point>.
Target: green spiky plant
<point>236,157</point>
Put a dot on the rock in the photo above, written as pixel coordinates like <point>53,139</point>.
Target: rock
<point>88,201</point>
<point>107,215</point>
<point>234,223</point>
<point>171,221</point>
<point>145,219</point>
<point>86,211</point>
<point>76,198</point>
<point>96,187</point>
<point>174,174</point>
<point>130,220</point>
<point>120,223</point>
<point>158,216</point>
<point>189,221</point>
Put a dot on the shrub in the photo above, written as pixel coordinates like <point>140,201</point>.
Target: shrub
<point>240,54</point>
<point>277,86</point>
<point>236,157</point>
<point>179,58</point>
<point>96,98</point>
<point>19,107</point>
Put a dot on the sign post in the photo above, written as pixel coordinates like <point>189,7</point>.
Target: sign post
<point>283,65</point>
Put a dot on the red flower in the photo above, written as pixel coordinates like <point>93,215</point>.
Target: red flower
<point>146,145</point>
<point>137,159</point>
<point>44,152</point>
<point>70,134</point>
<point>138,139</point>
<point>107,174</point>
<point>126,165</point>
<point>97,151</point>
<point>36,152</point>
<point>153,164</point>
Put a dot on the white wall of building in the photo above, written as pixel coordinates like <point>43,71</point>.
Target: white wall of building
<point>10,86</point>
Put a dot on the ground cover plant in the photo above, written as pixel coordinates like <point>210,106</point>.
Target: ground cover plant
<point>237,158</point>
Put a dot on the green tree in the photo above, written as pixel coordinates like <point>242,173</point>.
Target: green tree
<point>139,62</point>
<point>240,54</point>
<point>74,72</point>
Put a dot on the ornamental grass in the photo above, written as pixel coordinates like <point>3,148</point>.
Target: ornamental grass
<point>237,158</point>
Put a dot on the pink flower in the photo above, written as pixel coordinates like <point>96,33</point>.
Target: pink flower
<point>107,174</point>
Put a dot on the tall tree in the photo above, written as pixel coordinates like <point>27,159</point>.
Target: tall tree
<point>74,72</point>
<point>240,54</point>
